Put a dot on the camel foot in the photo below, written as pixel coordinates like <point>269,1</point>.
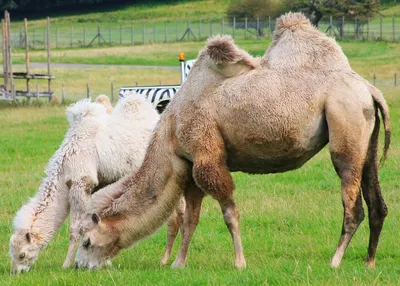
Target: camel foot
<point>370,263</point>
<point>240,265</point>
<point>164,261</point>
<point>177,264</point>
<point>335,263</point>
<point>66,264</point>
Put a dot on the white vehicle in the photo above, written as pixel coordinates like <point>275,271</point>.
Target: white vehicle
<point>160,95</point>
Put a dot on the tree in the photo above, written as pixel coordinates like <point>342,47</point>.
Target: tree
<point>316,9</point>
<point>253,9</point>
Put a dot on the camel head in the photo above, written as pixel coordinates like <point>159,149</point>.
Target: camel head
<point>24,250</point>
<point>100,243</point>
<point>222,56</point>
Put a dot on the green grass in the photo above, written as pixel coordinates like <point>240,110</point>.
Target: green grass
<point>290,222</point>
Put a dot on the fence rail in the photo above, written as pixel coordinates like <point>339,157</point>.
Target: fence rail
<point>83,35</point>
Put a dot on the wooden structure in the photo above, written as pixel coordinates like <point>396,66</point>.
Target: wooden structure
<point>8,90</point>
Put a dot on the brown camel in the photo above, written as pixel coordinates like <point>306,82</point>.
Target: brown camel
<point>270,115</point>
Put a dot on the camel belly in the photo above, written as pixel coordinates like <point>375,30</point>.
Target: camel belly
<point>238,161</point>
<point>266,150</point>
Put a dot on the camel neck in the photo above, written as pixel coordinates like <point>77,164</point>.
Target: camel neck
<point>154,191</point>
<point>49,210</point>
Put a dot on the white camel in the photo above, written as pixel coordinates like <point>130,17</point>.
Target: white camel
<point>98,149</point>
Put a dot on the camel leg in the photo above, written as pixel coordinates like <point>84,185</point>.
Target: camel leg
<point>175,222</point>
<point>213,177</point>
<point>194,198</point>
<point>79,193</point>
<point>377,210</point>
<point>349,135</point>
<point>73,244</point>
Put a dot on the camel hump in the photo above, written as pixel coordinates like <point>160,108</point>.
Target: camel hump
<point>292,21</point>
<point>222,50</point>
<point>103,99</point>
<point>84,109</point>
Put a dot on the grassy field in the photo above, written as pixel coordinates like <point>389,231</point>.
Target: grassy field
<point>291,222</point>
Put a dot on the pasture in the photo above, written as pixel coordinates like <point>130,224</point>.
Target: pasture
<point>290,222</point>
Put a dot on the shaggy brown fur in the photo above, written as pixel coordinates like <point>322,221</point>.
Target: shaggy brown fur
<point>269,117</point>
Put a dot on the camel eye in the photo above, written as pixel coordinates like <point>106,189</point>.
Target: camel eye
<point>22,256</point>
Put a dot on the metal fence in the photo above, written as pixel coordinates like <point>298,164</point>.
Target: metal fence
<point>83,35</point>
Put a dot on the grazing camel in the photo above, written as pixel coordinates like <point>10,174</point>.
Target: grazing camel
<point>98,149</point>
<point>272,116</point>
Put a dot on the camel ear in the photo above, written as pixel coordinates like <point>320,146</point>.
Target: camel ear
<point>95,218</point>
<point>28,237</point>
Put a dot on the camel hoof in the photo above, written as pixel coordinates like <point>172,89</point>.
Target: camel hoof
<point>66,264</point>
<point>240,265</point>
<point>335,264</point>
<point>370,263</point>
<point>164,262</point>
<point>177,265</point>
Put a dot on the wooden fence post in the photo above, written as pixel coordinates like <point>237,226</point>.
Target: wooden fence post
<point>222,26</point>
<point>120,34</point>
<point>88,90</point>
<point>374,78</point>
<point>342,36</point>
<point>27,55</point>
<point>34,37</point>
<point>132,35</point>
<point>257,27</point>
<point>176,30</point>
<point>355,28</point>
<point>62,93</point>
<point>200,29</point>
<point>233,27</point>
<point>394,30</point>
<point>72,35</point>
<point>143,31</point>
<point>211,29</point>
<point>166,32</point>
<point>154,32</point>
<point>245,28</point>
<point>112,91</point>
<point>269,26</point>
<point>380,35</point>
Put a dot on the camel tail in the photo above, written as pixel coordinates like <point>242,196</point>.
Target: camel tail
<point>384,109</point>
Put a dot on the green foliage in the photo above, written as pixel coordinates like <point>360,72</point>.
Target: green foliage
<point>316,9</point>
<point>253,9</point>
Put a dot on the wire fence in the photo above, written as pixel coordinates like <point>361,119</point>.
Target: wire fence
<point>84,35</point>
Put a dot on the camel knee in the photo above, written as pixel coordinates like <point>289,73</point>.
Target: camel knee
<point>213,179</point>
<point>231,214</point>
